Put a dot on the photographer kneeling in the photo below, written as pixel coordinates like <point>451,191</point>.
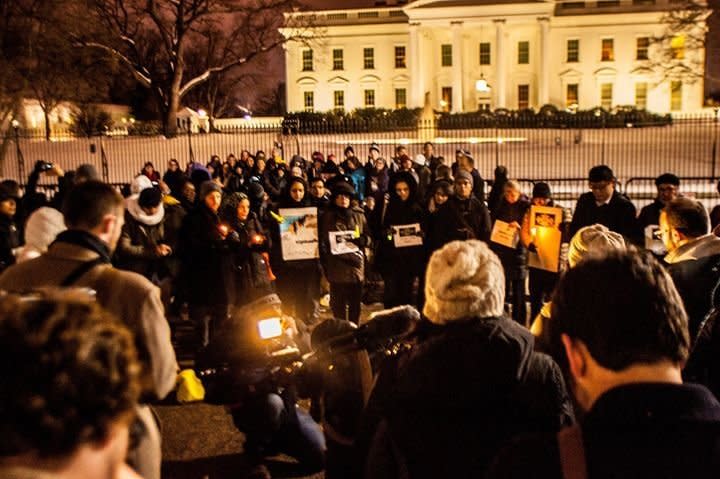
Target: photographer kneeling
<point>243,366</point>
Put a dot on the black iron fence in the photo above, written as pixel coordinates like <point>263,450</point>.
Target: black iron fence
<point>531,148</point>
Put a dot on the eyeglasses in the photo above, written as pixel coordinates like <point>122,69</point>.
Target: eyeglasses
<point>599,185</point>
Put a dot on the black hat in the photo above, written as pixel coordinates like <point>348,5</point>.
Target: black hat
<point>601,173</point>
<point>7,192</point>
<point>541,190</point>
<point>256,191</point>
<point>667,179</point>
<point>342,188</point>
<point>150,197</point>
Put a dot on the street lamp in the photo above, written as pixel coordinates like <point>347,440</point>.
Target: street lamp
<point>482,85</point>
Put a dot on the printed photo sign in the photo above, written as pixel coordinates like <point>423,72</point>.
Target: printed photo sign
<point>299,233</point>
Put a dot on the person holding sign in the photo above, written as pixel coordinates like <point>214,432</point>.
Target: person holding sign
<point>298,275</point>
<point>549,231</point>
<point>396,228</point>
<point>505,242</point>
<point>343,237</point>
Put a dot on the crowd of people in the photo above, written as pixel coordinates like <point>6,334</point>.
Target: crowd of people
<point>594,367</point>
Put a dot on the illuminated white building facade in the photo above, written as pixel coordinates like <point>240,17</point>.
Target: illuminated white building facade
<point>468,55</point>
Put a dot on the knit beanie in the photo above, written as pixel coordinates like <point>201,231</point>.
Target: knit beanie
<point>420,159</point>
<point>541,190</point>
<point>43,225</point>
<point>464,175</point>
<point>208,187</point>
<point>464,280</point>
<point>256,191</point>
<point>593,239</point>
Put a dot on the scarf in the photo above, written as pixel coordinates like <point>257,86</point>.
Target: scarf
<point>85,240</point>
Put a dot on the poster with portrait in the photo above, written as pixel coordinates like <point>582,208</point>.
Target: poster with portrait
<point>407,235</point>
<point>299,233</point>
<point>341,242</point>
<point>545,232</point>
<point>505,234</point>
<point>654,241</point>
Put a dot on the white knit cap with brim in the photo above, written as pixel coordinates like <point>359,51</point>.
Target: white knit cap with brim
<point>140,183</point>
<point>593,239</point>
<point>464,280</point>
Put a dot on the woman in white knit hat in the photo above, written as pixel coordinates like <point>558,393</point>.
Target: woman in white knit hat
<point>471,381</point>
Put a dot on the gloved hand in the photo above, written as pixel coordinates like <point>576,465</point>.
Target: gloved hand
<point>532,248</point>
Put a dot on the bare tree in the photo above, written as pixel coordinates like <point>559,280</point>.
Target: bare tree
<point>154,39</point>
<point>678,53</point>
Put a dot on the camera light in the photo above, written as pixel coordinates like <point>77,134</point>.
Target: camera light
<point>270,328</point>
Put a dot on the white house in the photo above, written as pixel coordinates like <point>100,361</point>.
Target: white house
<point>471,54</point>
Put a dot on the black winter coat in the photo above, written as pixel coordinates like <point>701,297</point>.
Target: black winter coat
<point>203,251</point>
<point>349,267</point>
<point>9,240</point>
<point>514,260</point>
<point>247,273</point>
<point>632,431</point>
<point>458,395</point>
<point>460,220</point>
<point>397,212</point>
<point>618,215</point>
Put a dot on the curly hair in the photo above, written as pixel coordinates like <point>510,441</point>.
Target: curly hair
<point>69,371</point>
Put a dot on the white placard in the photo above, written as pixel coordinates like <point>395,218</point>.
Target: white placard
<point>407,235</point>
<point>505,234</point>
<point>299,233</point>
<point>341,242</point>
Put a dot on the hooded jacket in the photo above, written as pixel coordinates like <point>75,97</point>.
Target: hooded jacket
<point>394,212</point>
<point>695,270</point>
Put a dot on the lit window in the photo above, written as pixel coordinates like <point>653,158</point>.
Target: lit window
<point>485,53</point>
<point>571,95</point>
<point>309,100</point>
<point>446,99</point>
<point>677,45</point>
<point>523,96</point>
<point>400,57</point>
<point>307,60</point>
<point>368,58</point>
<point>641,95</point>
<point>446,55</point>
<point>338,59</point>
<point>339,99</point>
<point>573,50</point>
<point>523,53</point>
<point>369,98</point>
<point>606,95</point>
<point>641,48</point>
<point>607,53</point>
<point>675,95</point>
<point>400,98</point>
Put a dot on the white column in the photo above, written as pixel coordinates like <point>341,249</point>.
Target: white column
<point>544,61</point>
<point>500,73</point>
<point>413,61</point>
<point>457,67</point>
